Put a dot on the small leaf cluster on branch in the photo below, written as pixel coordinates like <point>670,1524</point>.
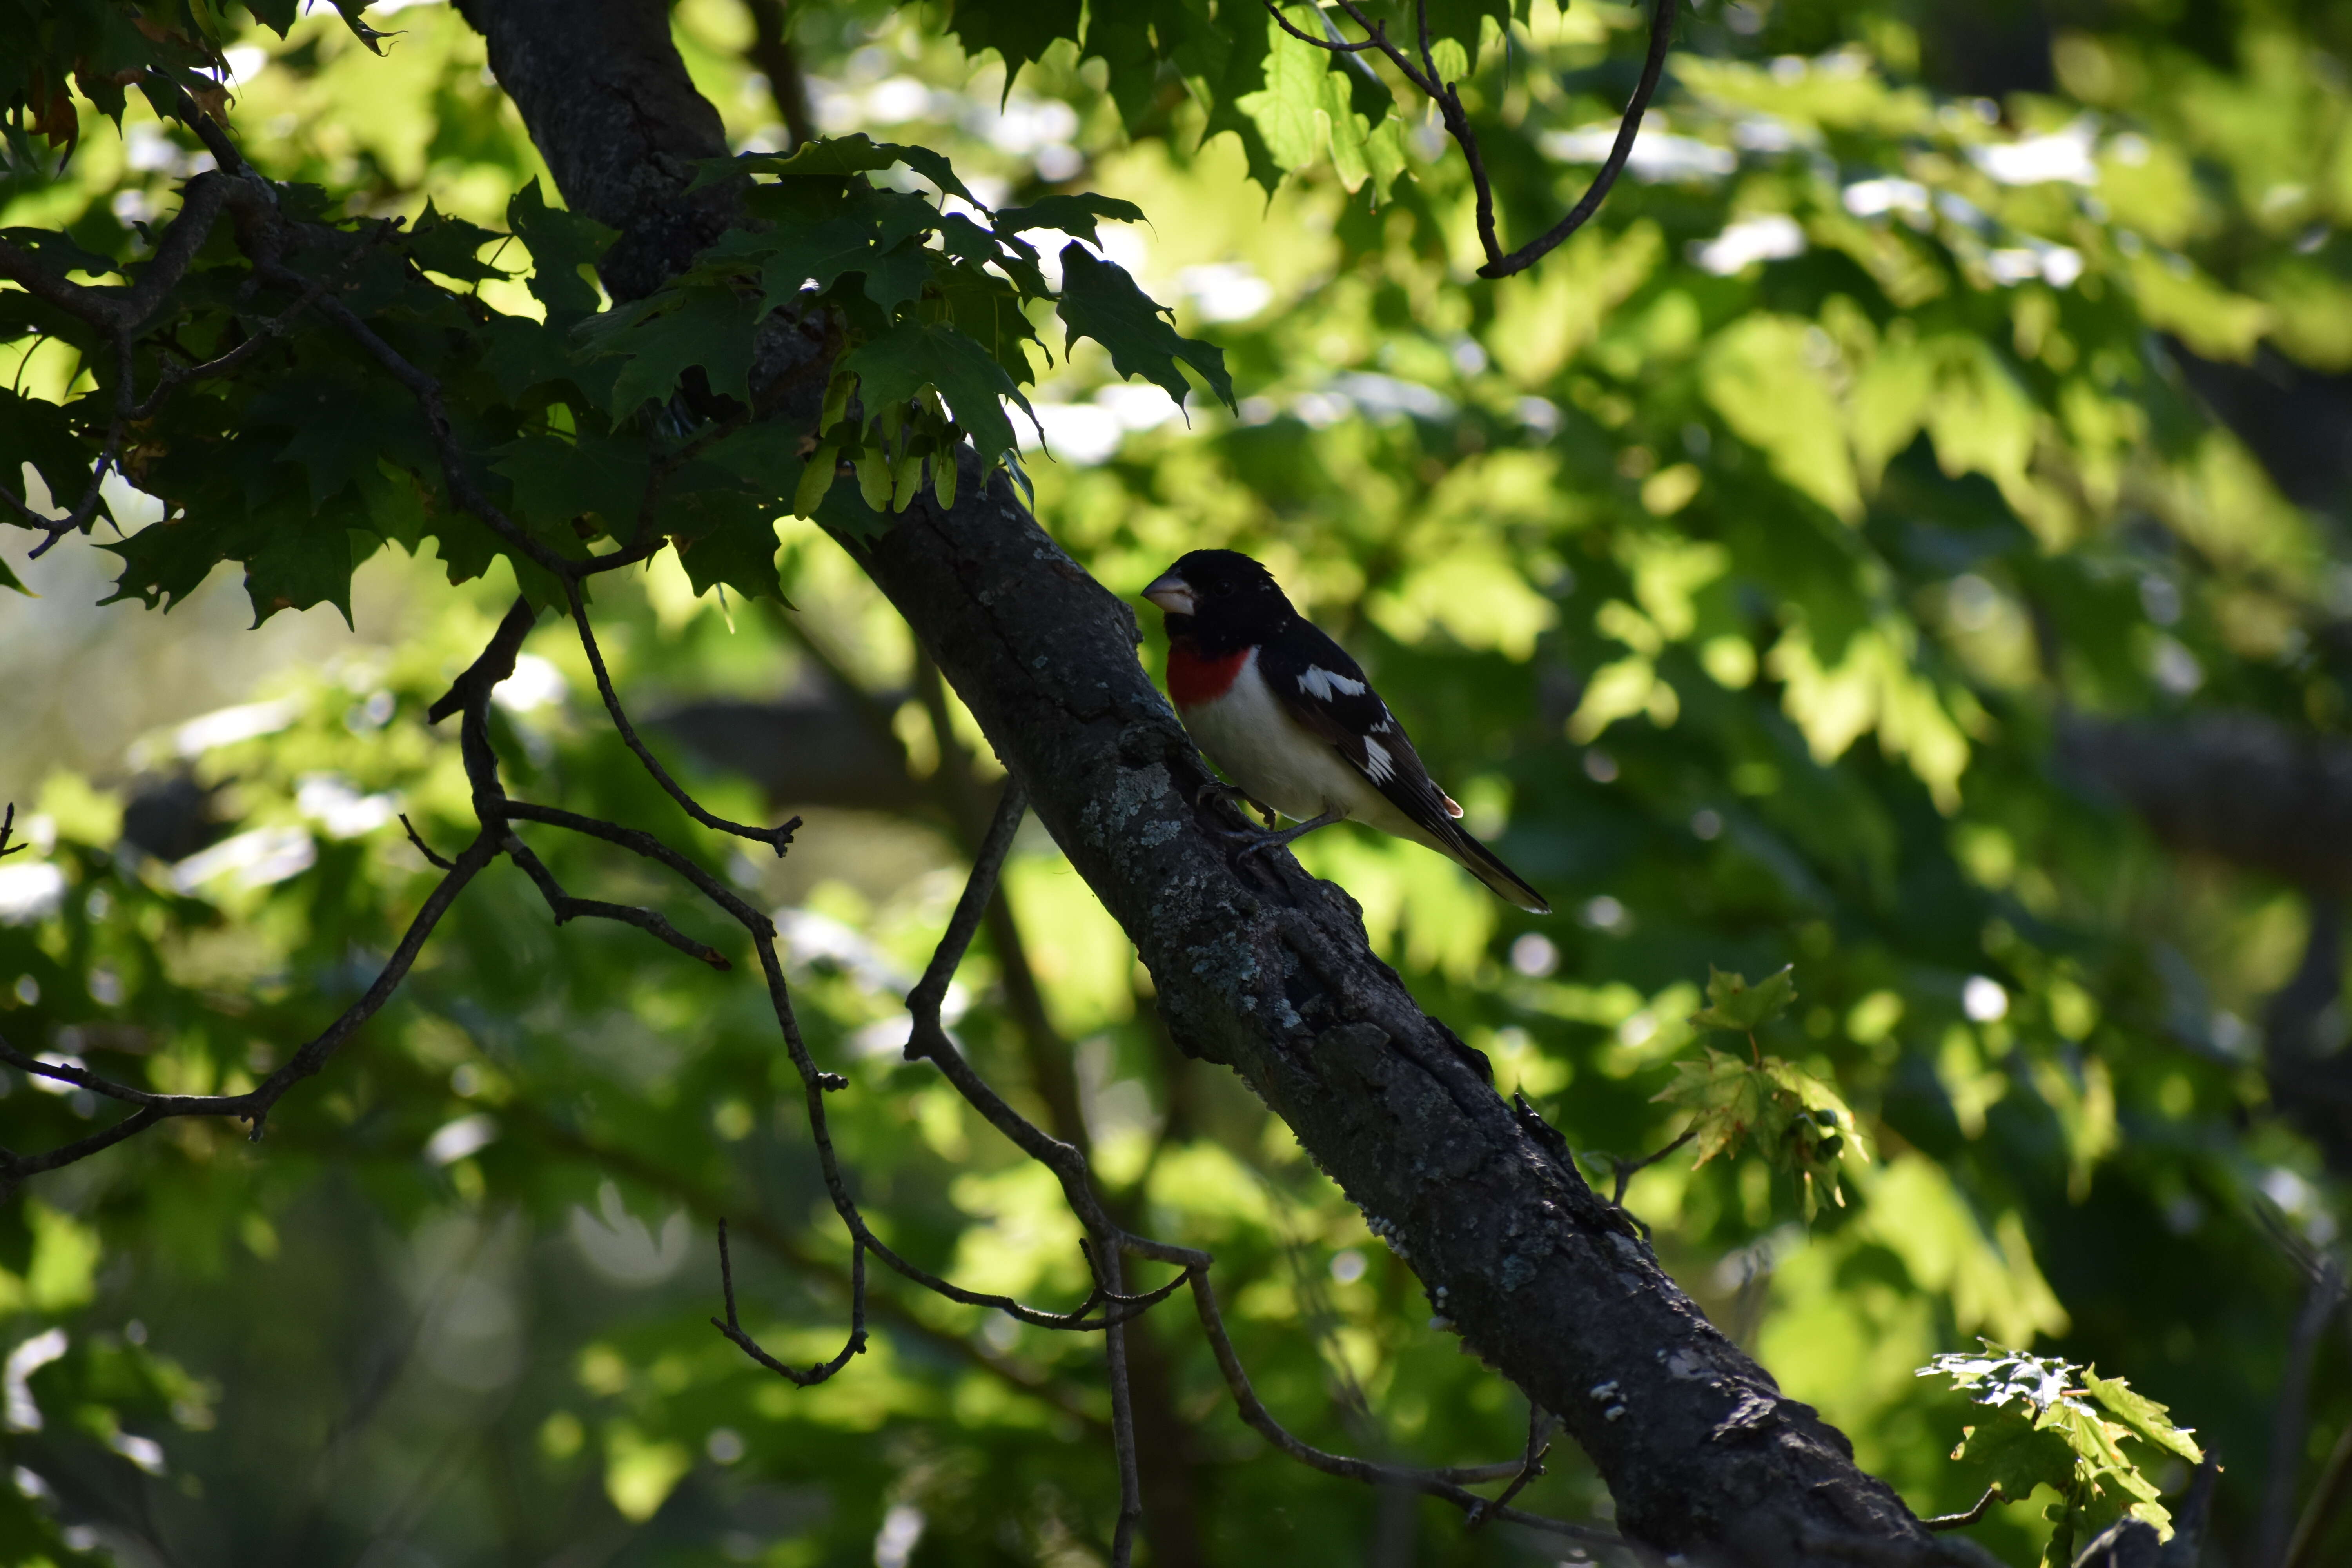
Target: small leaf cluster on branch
<point>2052,1423</point>
<point>245,387</point>
<point>931,304</point>
<point>1798,1123</point>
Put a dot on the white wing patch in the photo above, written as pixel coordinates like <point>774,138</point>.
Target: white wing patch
<point>1321,684</point>
<point>1378,764</point>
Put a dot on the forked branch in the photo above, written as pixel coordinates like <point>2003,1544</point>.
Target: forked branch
<point>1446,96</point>
<point>929,1041</point>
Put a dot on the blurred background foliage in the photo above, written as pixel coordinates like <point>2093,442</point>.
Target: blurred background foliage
<point>1902,537</point>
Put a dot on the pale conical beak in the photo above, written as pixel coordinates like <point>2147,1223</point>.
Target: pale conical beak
<point>1172,593</point>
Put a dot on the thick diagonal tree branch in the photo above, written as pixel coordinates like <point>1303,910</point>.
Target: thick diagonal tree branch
<point>1543,1277</point>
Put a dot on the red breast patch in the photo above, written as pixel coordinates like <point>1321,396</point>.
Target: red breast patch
<point>1192,681</point>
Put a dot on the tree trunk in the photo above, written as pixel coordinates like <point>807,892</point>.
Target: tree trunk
<point>1261,970</point>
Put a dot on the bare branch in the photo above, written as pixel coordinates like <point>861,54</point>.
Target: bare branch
<point>1961,1520</point>
<point>1625,1169</point>
<point>567,908</point>
<point>777,838</point>
<point>201,200</point>
<point>253,1107</point>
<point>1447,97</point>
<point>1540,1425</point>
<point>1430,1482</point>
<point>751,1347</point>
<point>1123,1411</point>
<point>439,862</point>
<point>625,1162</point>
<point>7,826</point>
<point>924,1001</point>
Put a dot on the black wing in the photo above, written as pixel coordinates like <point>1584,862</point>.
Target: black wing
<point>1325,691</point>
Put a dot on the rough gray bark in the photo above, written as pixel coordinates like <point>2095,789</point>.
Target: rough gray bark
<point>1267,970</point>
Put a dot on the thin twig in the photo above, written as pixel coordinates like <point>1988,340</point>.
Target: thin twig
<point>624,1162</point>
<point>1122,1419</point>
<point>7,826</point>
<point>567,908</point>
<point>1961,1520</point>
<point>931,990</point>
<point>1540,1425</point>
<point>439,862</point>
<point>751,1347</point>
<point>1253,1411</point>
<point>253,1107</point>
<point>777,838</point>
<point>1379,41</point>
<point>1626,1170</point>
<point>1447,97</point>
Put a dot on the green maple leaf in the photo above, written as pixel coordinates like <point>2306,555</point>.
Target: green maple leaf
<point>839,157</point>
<point>725,537</point>
<point>1733,1004</point>
<point>452,247</point>
<point>561,243</point>
<point>1073,215</point>
<point>37,431</point>
<point>895,366</point>
<point>709,328</point>
<point>556,481</point>
<point>2018,1454</point>
<point>1019,30</point>
<point>2144,1416</point>
<point>1099,300</point>
<point>1726,1097</point>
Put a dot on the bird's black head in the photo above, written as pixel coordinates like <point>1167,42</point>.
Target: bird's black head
<point>1220,597</point>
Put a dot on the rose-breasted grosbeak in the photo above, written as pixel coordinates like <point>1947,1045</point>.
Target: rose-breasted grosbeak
<point>1290,718</point>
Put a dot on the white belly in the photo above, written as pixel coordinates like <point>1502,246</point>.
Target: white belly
<point>1249,734</point>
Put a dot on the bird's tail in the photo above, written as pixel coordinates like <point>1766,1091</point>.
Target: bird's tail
<point>1484,864</point>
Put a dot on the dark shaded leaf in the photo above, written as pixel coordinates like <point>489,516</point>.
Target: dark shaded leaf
<point>305,561</point>
<point>34,430</point>
<point>561,243</point>
<point>451,246</point>
<point>1099,300</point>
<point>1019,30</point>
<point>724,537</point>
<point>836,156</point>
<point>1073,215</point>
<point>556,481</point>
<point>340,427</point>
<point>710,328</point>
<point>914,354</point>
